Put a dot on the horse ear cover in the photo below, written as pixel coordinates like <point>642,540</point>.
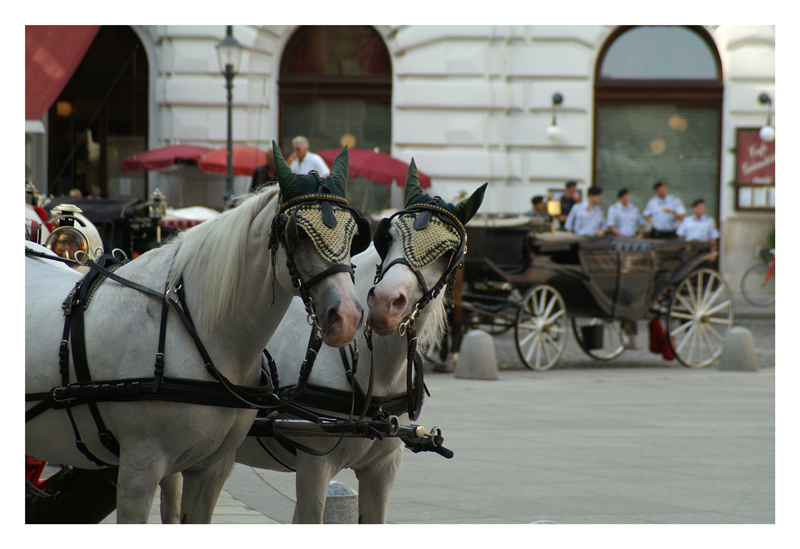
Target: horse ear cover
<point>286,177</point>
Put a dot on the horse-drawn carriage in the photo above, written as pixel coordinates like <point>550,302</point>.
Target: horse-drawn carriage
<point>521,275</point>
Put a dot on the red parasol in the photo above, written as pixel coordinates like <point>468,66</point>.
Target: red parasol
<point>163,157</point>
<point>376,166</point>
<point>245,160</point>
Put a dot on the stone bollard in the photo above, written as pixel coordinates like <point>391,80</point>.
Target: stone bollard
<point>341,505</point>
<point>476,359</point>
<point>738,351</point>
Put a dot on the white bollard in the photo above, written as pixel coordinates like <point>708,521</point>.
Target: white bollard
<point>341,505</point>
<point>477,359</point>
<point>738,351</point>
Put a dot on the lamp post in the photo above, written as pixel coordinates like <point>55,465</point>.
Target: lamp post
<point>229,53</point>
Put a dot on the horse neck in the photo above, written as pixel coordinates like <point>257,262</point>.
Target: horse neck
<point>236,327</point>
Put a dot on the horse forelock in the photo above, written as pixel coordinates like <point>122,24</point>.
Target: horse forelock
<point>215,252</point>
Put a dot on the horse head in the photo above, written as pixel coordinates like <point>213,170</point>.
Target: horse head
<point>425,243</point>
<point>319,232</point>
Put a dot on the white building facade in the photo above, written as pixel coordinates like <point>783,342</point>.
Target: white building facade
<point>473,104</point>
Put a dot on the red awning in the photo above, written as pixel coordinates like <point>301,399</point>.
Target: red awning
<point>52,53</point>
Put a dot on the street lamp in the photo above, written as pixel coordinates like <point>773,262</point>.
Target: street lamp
<point>229,52</point>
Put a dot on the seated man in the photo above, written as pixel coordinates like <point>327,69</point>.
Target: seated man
<point>538,209</point>
<point>586,218</point>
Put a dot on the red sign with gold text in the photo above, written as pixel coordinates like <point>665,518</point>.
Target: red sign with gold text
<point>755,160</point>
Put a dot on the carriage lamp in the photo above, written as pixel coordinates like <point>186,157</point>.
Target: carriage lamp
<point>553,209</point>
<point>554,132</point>
<point>767,132</point>
<point>229,53</point>
<point>66,240</point>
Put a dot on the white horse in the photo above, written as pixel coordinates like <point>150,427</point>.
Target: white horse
<point>376,463</point>
<point>236,301</point>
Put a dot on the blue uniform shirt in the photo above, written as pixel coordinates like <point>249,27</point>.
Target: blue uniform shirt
<point>664,221</point>
<point>698,229</point>
<point>584,222</point>
<point>626,219</point>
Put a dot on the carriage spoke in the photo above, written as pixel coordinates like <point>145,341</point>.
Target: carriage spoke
<point>550,306</point>
<point>691,296</point>
<point>718,308</point>
<point>692,344</point>
<point>684,303</point>
<point>556,316</point>
<point>524,341</point>
<point>717,320</point>
<point>712,299</point>
<point>544,348</point>
<point>709,346</point>
<point>552,341</point>
<point>714,332</point>
<point>534,304</point>
<point>685,339</point>
<point>686,316</point>
<point>709,287</point>
<point>557,330</point>
<point>699,288</point>
<point>681,328</point>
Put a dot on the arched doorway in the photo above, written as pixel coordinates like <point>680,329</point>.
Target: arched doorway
<point>100,118</point>
<point>336,89</point>
<point>658,114</point>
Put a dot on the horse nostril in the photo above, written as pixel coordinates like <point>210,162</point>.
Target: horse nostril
<point>398,303</point>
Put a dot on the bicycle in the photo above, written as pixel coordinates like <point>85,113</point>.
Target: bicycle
<point>758,282</point>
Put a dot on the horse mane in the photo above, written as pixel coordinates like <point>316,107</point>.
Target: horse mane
<point>219,246</point>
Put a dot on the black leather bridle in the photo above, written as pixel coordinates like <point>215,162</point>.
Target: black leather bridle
<point>383,239</point>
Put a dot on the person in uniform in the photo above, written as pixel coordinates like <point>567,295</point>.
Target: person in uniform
<point>586,218</point>
<point>664,211</point>
<point>568,200</point>
<point>624,219</point>
<point>698,226</point>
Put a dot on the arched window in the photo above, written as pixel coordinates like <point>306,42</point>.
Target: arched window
<point>658,105</point>
<point>100,118</point>
<point>336,89</point>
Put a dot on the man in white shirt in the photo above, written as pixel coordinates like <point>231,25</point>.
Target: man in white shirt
<point>624,218</point>
<point>698,226</point>
<point>303,161</point>
<point>664,211</point>
<point>586,218</point>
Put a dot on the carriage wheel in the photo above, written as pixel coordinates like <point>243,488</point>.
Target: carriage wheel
<point>613,343</point>
<point>700,312</point>
<point>541,329</point>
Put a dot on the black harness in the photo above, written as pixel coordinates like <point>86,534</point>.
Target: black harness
<point>221,392</point>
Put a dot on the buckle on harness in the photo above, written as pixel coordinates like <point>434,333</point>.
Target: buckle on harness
<point>54,392</point>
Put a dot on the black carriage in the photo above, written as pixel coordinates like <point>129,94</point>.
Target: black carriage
<point>521,275</point>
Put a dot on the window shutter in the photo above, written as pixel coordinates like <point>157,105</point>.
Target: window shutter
<point>637,145</point>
